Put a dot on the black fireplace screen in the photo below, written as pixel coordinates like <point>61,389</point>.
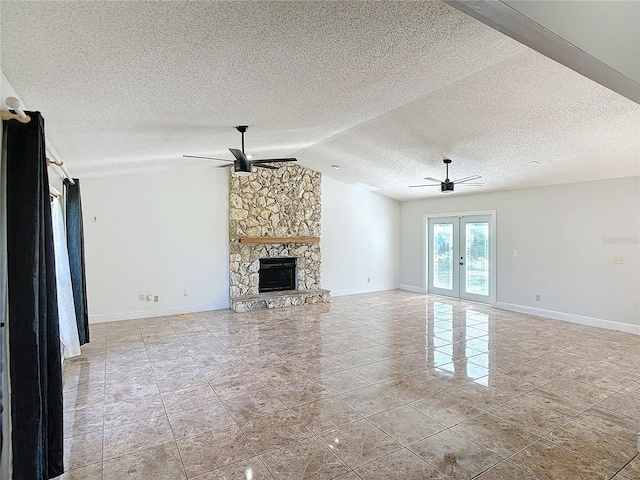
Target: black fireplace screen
<point>277,274</point>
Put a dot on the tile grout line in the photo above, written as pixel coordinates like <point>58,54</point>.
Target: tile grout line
<point>637,455</point>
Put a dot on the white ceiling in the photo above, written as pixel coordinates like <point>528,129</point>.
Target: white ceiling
<point>385,90</point>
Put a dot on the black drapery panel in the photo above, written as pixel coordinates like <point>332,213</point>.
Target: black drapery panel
<point>34,338</point>
<point>75,246</point>
<point>3,278</point>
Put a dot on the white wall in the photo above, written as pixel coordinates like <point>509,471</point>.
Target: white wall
<point>156,233</point>
<point>161,232</point>
<point>359,239</point>
<point>559,233</point>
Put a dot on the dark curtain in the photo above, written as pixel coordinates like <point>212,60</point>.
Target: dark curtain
<point>34,338</point>
<point>75,246</point>
<point>3,280</point>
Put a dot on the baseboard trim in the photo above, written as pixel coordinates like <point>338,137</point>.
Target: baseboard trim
<point>357,291</point>
<point>411,288</point>
<point>160,312</point>
<point>570,317</point>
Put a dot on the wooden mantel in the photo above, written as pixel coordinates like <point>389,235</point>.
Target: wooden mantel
<point>278,239</point>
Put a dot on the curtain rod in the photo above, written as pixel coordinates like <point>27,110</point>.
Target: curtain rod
<point>14,103</point>
<point>7,115</point>
<point>60,165</point>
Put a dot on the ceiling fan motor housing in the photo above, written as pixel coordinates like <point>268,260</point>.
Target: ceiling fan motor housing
<point>446,187</point>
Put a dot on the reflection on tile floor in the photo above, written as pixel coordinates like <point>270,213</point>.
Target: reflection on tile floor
<point>374,386</point>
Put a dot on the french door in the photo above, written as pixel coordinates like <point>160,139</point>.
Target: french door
<point>460,259</point>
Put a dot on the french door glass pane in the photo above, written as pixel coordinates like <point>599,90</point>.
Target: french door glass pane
<point>443,255</point>
<point>477,258</point>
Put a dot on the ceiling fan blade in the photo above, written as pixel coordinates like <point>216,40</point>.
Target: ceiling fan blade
<point>467,179</point>
<point>238,154</point>
<point>208,158</point>
<point>471,184</point>
<point>273,160</point>
<point>430,185</point>
<point>433,179</point>
<point>270,167</point>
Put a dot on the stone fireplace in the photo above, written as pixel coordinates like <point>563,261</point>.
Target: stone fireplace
<point>275,214</point>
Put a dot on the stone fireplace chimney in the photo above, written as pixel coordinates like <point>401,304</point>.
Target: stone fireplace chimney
<point>275,214</point>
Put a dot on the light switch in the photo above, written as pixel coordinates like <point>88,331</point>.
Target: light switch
<point>516,253</point>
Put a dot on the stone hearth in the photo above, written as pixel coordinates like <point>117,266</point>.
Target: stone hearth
<point>287,298</point>
<point>274,205</point>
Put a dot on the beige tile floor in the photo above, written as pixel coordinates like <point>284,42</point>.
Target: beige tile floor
<point>391,385</point>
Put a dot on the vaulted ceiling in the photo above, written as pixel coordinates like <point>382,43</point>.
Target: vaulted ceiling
<point>385,90</point>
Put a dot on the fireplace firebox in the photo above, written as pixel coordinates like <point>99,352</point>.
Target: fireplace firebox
<point>277,274</point>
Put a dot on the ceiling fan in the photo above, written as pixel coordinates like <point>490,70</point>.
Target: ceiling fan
<point>447,185</point>
<point>242,164</point>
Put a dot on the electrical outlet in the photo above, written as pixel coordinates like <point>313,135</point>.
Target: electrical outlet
<point>368,280</point>
<point>156,298</point>
<point>537,297</point>
<point>141,297</point>
<point>618,260</point>
<point>185,293</point>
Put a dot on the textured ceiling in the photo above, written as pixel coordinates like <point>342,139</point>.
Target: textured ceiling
<point>385,90</point>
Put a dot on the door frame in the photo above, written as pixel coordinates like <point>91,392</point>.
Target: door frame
<point>492,246</point>
<point>454,292</point>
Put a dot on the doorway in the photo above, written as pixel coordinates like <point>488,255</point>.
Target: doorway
<point>461,256</point>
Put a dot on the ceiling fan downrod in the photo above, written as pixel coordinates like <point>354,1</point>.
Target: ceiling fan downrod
<point>447,162</point>
<point>242,129</point>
